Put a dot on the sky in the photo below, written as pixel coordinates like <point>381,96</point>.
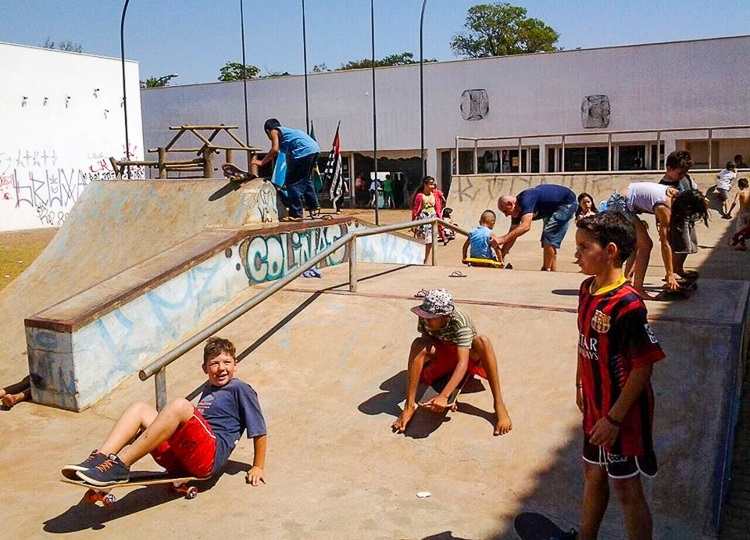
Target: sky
<point>196,38</point>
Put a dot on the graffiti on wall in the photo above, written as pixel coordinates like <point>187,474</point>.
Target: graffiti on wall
<point>37,179</point>
<point>268,258</point>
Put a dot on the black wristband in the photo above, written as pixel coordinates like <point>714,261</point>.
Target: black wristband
<point>612,421</point>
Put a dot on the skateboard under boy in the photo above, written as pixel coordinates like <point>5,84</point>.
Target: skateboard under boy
<point>94,494</point>
<point>439,384</point>
<point>487,263</point>
<point>533,526</point>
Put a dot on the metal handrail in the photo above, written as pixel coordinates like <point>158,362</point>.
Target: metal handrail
<point>603,133</point>
<point>157,367</point>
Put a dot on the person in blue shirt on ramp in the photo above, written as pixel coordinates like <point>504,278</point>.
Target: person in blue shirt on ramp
<point>301,153</point>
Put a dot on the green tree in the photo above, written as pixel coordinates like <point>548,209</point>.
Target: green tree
<point>502,29</point>
<point>63,46</point>
<point>233,71</point>
<point>155,82</point>
<point>391,60</point>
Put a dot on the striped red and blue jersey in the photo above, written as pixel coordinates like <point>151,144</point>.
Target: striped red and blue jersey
<point>615,338</point>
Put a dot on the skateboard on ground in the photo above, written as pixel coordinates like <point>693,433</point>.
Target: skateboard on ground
<point>533,526</point>
<point>740,237</point>
<point>235,174</point>
<point>103,494</point>
<point>686,287</point>
<point>437,387</point>
<point>488,263</point>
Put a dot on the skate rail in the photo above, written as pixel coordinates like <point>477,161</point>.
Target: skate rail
<point>157,368</point>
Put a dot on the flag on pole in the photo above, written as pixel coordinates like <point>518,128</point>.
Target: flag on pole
<point>332,173</point>
<point>317,181</point>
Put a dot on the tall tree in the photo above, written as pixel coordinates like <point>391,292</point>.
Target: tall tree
<point>155,82</point>
<point>233,71</point>
<point>502,29</point>
<point>390,60</point>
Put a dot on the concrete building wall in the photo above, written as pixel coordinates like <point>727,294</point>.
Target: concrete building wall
<point>655,86</point>
<point>62,118</point>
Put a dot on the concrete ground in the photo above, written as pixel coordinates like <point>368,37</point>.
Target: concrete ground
<point>329,368</point>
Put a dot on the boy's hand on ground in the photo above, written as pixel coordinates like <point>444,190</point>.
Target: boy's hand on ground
<point>255,476</point>
<point>671,282</point>
<point>603,433</point>
<point>436,404</point>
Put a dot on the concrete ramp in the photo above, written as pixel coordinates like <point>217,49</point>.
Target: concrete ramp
<point>113,226</point>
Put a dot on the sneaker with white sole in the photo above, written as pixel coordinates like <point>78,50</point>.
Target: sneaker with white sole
<point>109,471</point>
<point>94,459</point>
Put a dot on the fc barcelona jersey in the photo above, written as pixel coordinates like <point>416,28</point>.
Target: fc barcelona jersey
<point>613,339</point>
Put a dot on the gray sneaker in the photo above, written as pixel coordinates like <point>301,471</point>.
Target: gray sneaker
<point>94,459</point>
<point>109,471</point>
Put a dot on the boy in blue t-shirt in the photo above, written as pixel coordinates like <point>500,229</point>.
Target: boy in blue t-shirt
<point>481,238</point>
<point>185,440</point>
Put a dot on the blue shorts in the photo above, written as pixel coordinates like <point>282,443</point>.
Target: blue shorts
<point>557,224</point>
<point>618,203</point>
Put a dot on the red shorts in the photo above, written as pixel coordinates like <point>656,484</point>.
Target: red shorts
<point>190,450</point>
<point>444,363</point>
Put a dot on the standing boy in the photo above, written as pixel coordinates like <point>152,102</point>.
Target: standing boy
<point>185,440</point>
<point>616,352</point>
<point>448,345</point>
<point>742,221</point>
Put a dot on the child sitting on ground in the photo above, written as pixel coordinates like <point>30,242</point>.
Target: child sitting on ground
<point>742,221</point>
<point>448,345</point>
<point>586,206</point>
<point>616,353</point>
<point>482,241</point>
<point>185,440</point>
<point>449,233</point>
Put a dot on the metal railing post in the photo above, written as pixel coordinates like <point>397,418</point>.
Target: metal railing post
<point>520,161</point>
<point>434,243</point>
<point>160,385</point>
<point>353,265</point>
<point>562,155</point>
<point>609,152</point>
<point>658,150</point>
<point>476,156</point>
<point>710,148</point>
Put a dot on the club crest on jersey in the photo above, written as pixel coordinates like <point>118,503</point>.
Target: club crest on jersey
<point>600,322</point>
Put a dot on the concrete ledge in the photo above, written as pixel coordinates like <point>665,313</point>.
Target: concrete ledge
<point>80,349</point>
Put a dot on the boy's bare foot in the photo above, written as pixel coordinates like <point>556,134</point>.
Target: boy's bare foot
<point>504,424</point>
<point>403,419</point>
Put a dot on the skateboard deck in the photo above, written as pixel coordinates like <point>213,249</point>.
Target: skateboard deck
<point>533,526</point>
<point>235,174</point>
<point>489,263</point>
<point>437,387</point>
<point>102,494</point>
<point>740,236</point>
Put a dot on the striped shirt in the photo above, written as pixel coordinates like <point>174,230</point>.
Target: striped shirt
<point>615,338</point>
<point>460,330</point>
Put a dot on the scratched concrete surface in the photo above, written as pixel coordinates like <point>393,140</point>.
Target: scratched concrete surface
<point>329,368</point>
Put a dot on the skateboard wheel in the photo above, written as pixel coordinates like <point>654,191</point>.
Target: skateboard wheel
<point>90,496</point>
<point>108,500</point>
<point>191,492</point>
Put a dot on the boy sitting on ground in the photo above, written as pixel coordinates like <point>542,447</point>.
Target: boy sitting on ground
<point>482,241</point>
<point>616,353</point>
<point>185,440</point>
<point>449,345</point>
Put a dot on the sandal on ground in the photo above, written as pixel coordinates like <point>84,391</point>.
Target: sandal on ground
<point>290,218</point>
<point>457,273</point>
<point>421,294</point>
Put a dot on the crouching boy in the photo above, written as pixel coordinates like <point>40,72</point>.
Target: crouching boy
<point>616,352</point>
<point>185,440</point>
<point>449,344</point>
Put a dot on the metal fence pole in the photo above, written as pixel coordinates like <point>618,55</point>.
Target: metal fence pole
<point>434,243</point>
<point>160,384</point>
<point>353,264</point>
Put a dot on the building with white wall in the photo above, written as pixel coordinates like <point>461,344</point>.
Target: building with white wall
<point>642,87</point>
<point>62,118</point>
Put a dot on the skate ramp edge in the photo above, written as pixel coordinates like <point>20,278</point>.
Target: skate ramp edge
<point>82,348</point>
